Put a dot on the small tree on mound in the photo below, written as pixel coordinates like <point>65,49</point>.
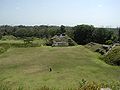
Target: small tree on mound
<point>83,34</point>
<point>62,29</point>
<point>119,34</point>
<point>0,35</point>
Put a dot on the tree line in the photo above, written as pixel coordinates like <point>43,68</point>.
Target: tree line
<point>82,34</point>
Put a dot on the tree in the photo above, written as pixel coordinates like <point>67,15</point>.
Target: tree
<point>83,34</point>
<point>101,35</point>
<point>119,34</point>
<point>62,29</point>
<point>24,32</point>
<point>0,35</point>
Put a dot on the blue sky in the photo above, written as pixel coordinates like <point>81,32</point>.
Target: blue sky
<point>60,12</point>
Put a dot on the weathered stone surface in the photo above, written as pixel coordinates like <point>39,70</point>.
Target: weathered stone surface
<point>62,40</point>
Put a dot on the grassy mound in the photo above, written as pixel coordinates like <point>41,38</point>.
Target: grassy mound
<point>113,57</point>
<point>29,68</point>
<point>100,48</point>
<point>62,40</point>
<point>93,46</point>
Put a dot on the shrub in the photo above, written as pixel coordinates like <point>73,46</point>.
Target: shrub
<point>49,42</point>
<point>9,37</point>
<point>113,57</point>
<point>0,35</point>
<point>85,85</point>
<point>109,42</point>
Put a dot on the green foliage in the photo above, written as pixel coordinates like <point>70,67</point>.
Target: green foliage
<point>101,35</point>
<point>83,33</point>
<point>62,29</point>
<point>8,37</point>
<point>119,34</point>
<point>34,42</point>
<point>8,45</point>
<point>86,33</point>
<point>49,42</point>
<point>28,41</point>
<point>114,38</point>
<point>0,35</point>
<point>109,42</point>
<point>98,86</point>
<point>113,57</point>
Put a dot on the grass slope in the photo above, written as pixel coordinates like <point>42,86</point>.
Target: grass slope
<point>29,67</point>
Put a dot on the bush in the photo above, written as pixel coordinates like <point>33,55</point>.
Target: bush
<point>113,57</point>
<point>9,37</point>
<point>49,42</point>
<point>109,42</point>
<point>0,35</point>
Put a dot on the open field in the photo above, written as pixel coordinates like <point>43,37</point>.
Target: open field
<point>38,41</point>
<point>29,67</point>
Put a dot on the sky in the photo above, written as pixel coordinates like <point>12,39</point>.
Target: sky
<point>60,12</point>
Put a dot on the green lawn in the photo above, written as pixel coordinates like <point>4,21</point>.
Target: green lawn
<point>29,67</point>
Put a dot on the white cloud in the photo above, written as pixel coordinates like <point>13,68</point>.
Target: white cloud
<point>100,5</point>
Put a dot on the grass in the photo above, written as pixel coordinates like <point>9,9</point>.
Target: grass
<point>38,41</point>
<point>29,67</point>
<point>20,43</point>
<point>93,47</point>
